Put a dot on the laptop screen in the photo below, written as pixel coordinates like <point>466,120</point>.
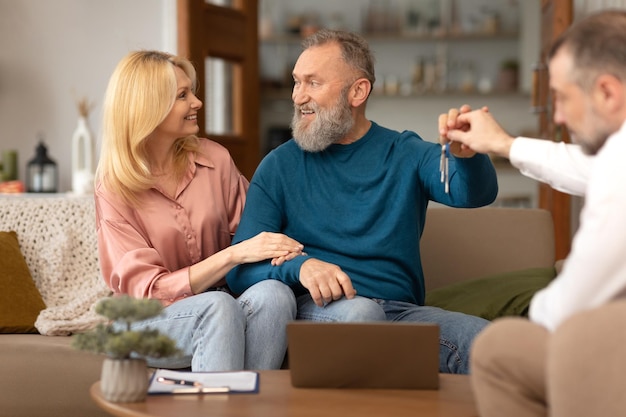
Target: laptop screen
<point>363,355</point>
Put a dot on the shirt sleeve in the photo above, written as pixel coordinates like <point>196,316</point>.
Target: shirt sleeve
<point>129,265</point>
<point>263,212</point>
<point>594,271</point>
<point>473,181</point>
<point>236,198</point>
<point>565,167</point>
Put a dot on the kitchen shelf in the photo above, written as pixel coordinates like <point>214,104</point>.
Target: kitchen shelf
<point>292,39</point>
<point>285,94</point>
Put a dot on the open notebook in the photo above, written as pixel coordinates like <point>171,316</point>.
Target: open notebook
<point>363,355</point>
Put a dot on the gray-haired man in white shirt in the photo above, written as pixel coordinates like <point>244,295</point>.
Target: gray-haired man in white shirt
<point>562,361</point>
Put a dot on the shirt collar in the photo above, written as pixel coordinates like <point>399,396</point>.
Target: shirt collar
<point>201,159</point>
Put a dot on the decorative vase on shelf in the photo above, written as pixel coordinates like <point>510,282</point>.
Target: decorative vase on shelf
<point>124,380</point>
<point>82,153</point>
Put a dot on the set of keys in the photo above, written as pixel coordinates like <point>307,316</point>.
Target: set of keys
<point>444,164</point>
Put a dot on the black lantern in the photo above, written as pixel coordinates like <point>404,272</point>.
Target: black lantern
<point>41,172</point>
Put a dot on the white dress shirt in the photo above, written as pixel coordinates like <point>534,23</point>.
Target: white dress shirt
<point>594,272</point>
<point>564,166</point>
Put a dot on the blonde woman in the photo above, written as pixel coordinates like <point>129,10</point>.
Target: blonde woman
<point>167,205</point>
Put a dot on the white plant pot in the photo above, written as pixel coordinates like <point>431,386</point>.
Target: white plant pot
<point>124,380</point>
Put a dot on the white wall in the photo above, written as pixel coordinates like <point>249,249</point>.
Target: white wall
<point>54,52</point>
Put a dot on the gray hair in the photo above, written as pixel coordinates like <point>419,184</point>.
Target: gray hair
<point>354,49</point>
<point>598,46</point>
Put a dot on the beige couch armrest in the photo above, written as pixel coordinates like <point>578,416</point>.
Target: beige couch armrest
<point>45,376</point>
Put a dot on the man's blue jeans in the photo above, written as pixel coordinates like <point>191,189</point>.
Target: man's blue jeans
<point>456,330</point>
<point>217,332</point>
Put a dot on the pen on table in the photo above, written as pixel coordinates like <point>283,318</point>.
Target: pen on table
<point>176,381</point>
<point>199,390</point>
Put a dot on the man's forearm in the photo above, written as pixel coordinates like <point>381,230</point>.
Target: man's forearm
<point>244,276</point>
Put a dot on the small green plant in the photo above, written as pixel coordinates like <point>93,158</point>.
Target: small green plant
<point>509,64</point>
<point>120,342</point>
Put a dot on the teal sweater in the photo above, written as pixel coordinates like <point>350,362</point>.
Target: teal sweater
<point>360,206</point>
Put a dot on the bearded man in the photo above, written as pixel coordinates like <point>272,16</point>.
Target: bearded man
<point>355,195</point>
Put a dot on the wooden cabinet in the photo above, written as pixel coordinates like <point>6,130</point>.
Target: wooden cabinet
<point>221,39</point>
<point>557,15</point>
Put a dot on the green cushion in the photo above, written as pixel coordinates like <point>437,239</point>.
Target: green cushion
<point>20,300</point>
<point>495,296</point>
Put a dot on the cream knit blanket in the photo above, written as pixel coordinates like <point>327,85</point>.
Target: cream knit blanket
<point>57,237</point>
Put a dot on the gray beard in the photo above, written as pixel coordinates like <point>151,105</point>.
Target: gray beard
<point>328,127</point>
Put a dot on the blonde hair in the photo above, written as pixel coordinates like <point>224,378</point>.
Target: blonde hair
<point>140,94</point>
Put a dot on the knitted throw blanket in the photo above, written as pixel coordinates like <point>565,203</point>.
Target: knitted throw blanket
<point>57,236</point>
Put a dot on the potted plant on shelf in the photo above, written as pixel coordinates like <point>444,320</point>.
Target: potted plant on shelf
<point>124,372</point>
<point>507,79</point>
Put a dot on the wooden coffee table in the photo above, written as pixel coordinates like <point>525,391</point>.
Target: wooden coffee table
<point>277,398</point>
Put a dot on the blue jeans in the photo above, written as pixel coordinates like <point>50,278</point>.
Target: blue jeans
<point>217,332</point>
<point>456,330</point>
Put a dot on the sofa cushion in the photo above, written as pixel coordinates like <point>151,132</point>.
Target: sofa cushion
<point>506,294</point>
<point>20,300</point>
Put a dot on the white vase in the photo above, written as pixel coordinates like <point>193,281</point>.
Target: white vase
<point>124,380</point>
<point>82,158</point>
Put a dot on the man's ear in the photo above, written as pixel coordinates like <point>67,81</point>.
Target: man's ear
<point>609,92</point>
<point>360,91</point>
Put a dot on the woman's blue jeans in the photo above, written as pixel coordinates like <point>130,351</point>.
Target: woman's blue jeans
<point>217,332</point>
<point>456,330</point>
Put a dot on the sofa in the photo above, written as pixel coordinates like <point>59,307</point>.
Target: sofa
<point>42,375</point>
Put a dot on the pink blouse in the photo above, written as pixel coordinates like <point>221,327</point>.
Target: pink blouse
<point>147,251</point>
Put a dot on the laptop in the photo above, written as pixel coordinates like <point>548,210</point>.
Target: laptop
<point>363,355</point>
